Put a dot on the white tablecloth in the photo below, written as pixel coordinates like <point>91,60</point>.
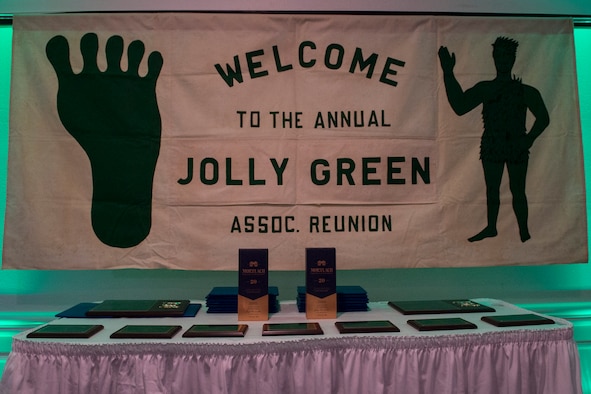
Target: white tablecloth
<point>533,359</point>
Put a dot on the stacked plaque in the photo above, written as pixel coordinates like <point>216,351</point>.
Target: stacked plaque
<point>349,299</point>
<point>225,300</point>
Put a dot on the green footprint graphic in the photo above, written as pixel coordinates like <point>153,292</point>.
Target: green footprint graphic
<point>114,116</point>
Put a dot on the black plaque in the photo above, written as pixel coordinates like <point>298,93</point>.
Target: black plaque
<point>450,323</point>
<point>292,329</point>
<point>66,331</point>
<point>439,307</point>
<point>528,319</point>
<point>147,331</point>
<point>139,308</point>
<point>370,326</point>
<point>216,330</point>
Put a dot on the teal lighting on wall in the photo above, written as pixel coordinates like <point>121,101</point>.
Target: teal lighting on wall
<point>5,61</point>
<point>11,282</point>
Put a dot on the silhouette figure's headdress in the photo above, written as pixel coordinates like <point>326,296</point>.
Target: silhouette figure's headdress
<point>506,43</point>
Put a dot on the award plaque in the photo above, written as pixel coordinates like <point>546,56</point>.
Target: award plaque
<point>292,329</point>
<point>361,327</point>
<point>224,299</point>
<point>146,331</point>
<point>321,283</point>
<point>66,331</point>
<point>253,284</point>
<point>216,330</point>
<point>139,308</point>
<point>439,307</point>
<point>451,323</point>
<point>528,319</point>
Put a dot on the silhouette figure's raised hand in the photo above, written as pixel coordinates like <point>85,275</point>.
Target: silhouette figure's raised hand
<point>447,60</point>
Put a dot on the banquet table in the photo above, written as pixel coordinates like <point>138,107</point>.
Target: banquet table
<point>488,359</point>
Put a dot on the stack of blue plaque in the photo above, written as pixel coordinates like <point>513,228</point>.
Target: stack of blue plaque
<point>349,299</point>
<point>225,300</point>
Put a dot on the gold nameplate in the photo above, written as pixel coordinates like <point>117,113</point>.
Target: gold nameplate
<point>253,310</point>
<point>321,308</point>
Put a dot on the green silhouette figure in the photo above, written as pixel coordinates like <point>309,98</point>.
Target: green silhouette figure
<point>114,116</point>
<point>505,141</point>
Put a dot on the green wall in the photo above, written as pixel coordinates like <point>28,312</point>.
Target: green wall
<point>47,290</point>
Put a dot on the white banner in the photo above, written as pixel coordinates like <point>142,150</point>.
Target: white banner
<point>173,140</point>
